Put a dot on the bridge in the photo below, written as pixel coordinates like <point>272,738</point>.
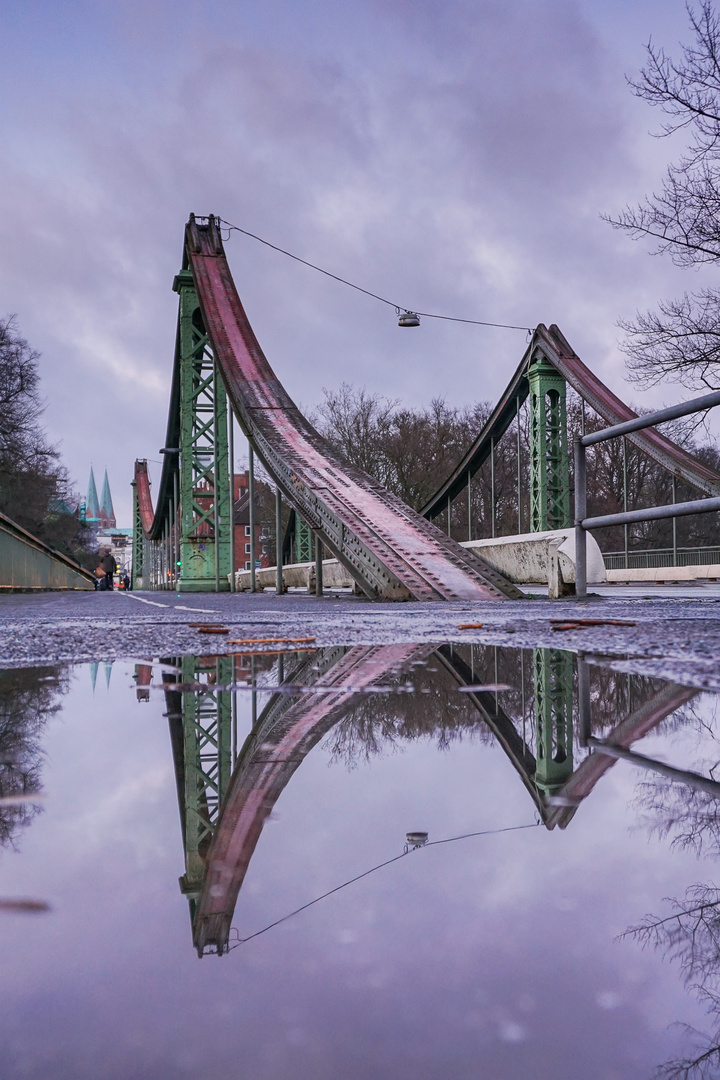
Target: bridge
<point>226,793</point>
<point>185,541</point>
<point>389,550</point>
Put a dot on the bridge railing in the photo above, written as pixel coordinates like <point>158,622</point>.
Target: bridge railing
<point>583,523</point>
<point>653,558</point>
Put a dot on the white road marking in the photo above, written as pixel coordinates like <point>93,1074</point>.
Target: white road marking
<point>177,607</point>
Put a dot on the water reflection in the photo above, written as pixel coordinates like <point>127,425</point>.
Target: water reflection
<point>28,698</point>
<point>242,727</point>
<point>561,723</point>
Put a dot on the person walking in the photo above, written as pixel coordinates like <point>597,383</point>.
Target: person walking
<point>109,566</point>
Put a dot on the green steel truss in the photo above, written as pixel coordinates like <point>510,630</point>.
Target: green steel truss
<point>303,541</point>
<point>139,544</point>
<point>549,465</point>
<point>553,679</point>
<point>207,761</point>
<point>205,512</point>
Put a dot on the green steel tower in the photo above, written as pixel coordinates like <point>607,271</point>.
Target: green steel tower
<point>549,465</point>
<point>205,511</point>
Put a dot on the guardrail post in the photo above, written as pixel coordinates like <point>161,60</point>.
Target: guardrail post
<point>674,521</point>
<point>278,542</point>
<point>580,515</point>
<point>318,565</point>
<point>251,508</point>
<point>583,674</point>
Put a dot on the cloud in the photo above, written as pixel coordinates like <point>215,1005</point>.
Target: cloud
<point>453,157</point>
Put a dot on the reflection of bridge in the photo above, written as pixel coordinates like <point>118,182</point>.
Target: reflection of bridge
<point>225,796</point>
<point>389,550</point>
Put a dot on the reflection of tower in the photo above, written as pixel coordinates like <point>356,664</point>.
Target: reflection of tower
<point>143,681</point>
<point>553,671</point>
<point>222,814</point>
<point>201,730</point>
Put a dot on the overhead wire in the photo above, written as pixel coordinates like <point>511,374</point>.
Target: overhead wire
<point>383,300</point>
<point>358,877</point>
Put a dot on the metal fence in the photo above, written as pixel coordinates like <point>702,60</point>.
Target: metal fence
<point>654,557</point>
<point>583,523</point>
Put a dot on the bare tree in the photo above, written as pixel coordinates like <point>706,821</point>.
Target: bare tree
<point>35,490</point>
<point>681,340</point>
<point>690,936</point>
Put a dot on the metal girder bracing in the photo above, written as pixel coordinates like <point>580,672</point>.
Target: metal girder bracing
<point>553,678</point>
<point>303,542</point>
<point>550,345</point>
<point>203,758</point>
<point>549,464</point>
<point>388,549</point>
<point>497,720</point>
<point>204,489</point>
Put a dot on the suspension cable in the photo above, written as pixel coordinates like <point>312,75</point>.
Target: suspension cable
<point>383,300</point>
<point>366,873</point>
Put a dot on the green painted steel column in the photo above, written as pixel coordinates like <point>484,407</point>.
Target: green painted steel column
<point>549,462</point>
<point>207,762</point>
<point>205,511</point>
<point>553,676</point>
<point>138,545</point>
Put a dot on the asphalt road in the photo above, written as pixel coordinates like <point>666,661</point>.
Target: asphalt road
<point>676,633</point>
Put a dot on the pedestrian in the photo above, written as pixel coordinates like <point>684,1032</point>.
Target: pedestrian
<point>126,581</point>
<point>109,566</point>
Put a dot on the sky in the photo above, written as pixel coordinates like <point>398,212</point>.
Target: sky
<point>452,156</point>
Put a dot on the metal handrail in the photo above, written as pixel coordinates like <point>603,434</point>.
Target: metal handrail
<point>583,523</point>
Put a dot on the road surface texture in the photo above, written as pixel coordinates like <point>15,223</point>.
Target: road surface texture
<point>676,633</point>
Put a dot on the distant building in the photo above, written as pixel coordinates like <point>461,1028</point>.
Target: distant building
<point>107,514</point>
<point>92,506</point>
<point>100,517</point>
<point>241,520</point>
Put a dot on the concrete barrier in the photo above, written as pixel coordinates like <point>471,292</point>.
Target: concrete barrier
<point>545,558</point>
<point>542,558</point>
<point>662,574</point>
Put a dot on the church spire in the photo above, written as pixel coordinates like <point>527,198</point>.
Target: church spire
<point>92,510</point>
<point>107,514</point>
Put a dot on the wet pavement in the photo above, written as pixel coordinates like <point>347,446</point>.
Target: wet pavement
<point>676,632</point>
<point>410,858</point>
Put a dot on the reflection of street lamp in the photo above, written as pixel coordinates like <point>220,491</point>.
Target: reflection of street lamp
<point>415,840</point>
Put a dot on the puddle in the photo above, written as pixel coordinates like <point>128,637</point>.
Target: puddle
<point>392,861</point>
